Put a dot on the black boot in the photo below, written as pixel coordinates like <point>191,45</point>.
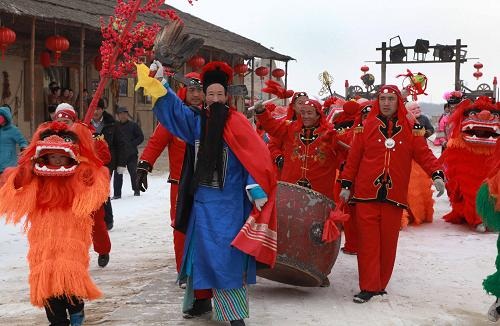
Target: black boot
<point>200,307</point>
<point>103,260</point>
<point>238,322</point>
<point>365,296</point>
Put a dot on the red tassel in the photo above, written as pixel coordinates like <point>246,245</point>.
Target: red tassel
<point>330,230</point>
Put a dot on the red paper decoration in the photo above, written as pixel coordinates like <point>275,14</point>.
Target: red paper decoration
<point>478,65</point>
<point>364,69</point>
<point>262,71</point>
<point>477,74</point>
<point>240,69</point>
<point>45,59</point>
<point>57,44</point>
<point>278,73</point>
<point>7,37</point>
<point>196,62</point>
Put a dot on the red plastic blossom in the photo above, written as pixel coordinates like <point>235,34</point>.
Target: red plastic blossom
<point>127,40</point>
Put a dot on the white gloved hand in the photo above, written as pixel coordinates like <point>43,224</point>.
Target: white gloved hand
<point>158,67</point>
<point>121,169</point>
<point>259,107</point>
<point>439,184</point>
<point>345,194</point>
<point>259,203</point>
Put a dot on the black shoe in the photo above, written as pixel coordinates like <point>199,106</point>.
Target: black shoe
<point>239,322</point>
<point>116,197</point>
<point>200,307</point>
<point>365,296</point>
<point>109,226</point>
<point>103,260</point>
<point>137,193</point>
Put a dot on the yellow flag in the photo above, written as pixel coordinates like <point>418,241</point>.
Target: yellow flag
<point>152,86</point>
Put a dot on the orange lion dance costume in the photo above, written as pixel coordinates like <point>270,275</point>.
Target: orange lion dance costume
<point>58,202</point>
<point>475,130</point>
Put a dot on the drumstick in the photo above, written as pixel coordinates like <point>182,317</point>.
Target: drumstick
<point>264,103</point>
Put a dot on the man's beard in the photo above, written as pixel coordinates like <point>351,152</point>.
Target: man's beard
<point>210,153</point>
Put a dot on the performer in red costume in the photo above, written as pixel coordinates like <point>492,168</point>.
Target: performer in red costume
<point>275,145</point>
<point>192,95</point>
<point>378,166</point>
<point>310,147</point>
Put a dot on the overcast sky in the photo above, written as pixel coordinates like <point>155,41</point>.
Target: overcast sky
<point>339,36</point>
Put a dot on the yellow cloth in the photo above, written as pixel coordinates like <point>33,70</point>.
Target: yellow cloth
<point>152,86</point>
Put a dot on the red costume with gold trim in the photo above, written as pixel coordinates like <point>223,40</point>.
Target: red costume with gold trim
<point>310,154</point>
<point>58,202</point>
<point>378,167</point>
<point>475,130</point>
<point>160,140</point>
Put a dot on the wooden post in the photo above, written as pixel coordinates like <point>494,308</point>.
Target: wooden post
<point>82,70</point>
<point>458,48</point>
<point>32,77</point>
<point>286,80</point>
<point>252,81</point>
<point>383,66</point>
<point>270,75</point>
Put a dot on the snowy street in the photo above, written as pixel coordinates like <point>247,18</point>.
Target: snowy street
<point>436,281</point>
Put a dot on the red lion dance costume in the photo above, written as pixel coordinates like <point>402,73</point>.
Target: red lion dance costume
<point>58,203</point>
<point>475,130</point>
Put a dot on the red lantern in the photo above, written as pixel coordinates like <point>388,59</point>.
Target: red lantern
<point>477,74</point>
<point>240,69</point>
<point>57,44</point>
<point>98,62</point>
<point>196,62</point>
<point>7,37</point>
<point>45,59</point>
<point>478,65</point>
<point>278,73</point>
<point>261,72</point>
<point>364,69</point>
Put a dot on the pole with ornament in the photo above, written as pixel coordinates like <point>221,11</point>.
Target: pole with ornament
<point>125,41</point>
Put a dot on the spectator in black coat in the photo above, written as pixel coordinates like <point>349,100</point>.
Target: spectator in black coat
<point>422,120</point>
<point>105,125</point>
<point>132,137</point>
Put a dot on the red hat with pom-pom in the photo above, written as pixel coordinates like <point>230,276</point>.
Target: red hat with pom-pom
<point>216,72</point>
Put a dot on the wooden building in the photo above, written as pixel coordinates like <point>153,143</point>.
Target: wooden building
<point>78,21</point>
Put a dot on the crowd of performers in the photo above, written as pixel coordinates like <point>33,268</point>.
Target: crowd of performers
<point>370,157</point>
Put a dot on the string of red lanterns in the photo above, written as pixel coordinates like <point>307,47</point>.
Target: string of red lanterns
<point>57,44</point>
<point>478,74</point>
<point>7,37</point>
<point>261,72</point>
<point>278,73</point>
<point>240,69</point>
<point>196,62</point>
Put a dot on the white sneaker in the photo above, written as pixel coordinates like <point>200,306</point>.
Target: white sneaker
<point>481,228</point>
<point>493,312</point>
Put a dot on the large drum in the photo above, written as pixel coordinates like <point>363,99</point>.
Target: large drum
<point>303,258</point>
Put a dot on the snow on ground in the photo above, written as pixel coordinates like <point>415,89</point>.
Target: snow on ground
<point>436,281</point>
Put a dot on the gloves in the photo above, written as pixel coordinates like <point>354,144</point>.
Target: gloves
<point>279,160</point>
<point>259,203</point>
<point>259,107</point>
<point>121,169</point>
<point>439,184</point>
<point>143,168</point>
<point>258,195</point>
<point>152,86</point>
<point>345,194</point>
